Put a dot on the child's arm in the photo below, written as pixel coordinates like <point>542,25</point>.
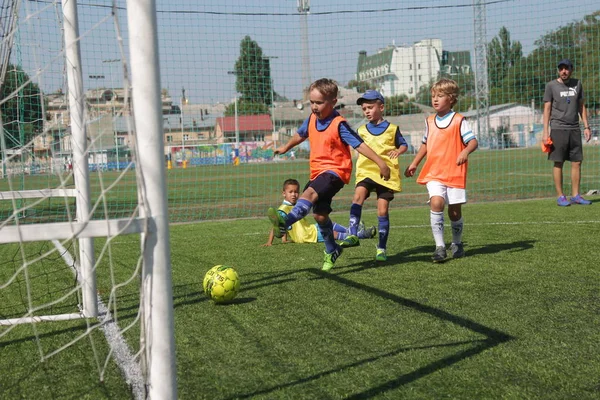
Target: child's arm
<point>412,168</point>
<point>366,151</point>
<point>293,142</point>
<point>396,152</point>
<point>270,240</point>
<point>400,145</point>
<point>464,155</point>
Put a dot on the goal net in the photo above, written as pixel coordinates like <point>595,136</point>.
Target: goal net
<point>80,274</point>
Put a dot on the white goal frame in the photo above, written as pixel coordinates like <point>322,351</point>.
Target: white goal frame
<point>156,299</point>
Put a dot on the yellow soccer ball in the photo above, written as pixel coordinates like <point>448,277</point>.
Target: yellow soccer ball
<point>221,283</point>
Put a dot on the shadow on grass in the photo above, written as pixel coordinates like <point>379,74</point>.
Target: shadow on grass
<point>423,254</point>
<point>492,338</point>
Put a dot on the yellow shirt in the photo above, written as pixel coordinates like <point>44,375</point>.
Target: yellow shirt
<point>301,231</point>
<point>381,144</point>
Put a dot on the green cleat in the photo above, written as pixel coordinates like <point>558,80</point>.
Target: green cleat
<point>329,259</point>
<point>368,233</point>
<point>381,255</point>
<point>364,232</point>
<point>277,221</point>
<point>350,241</point>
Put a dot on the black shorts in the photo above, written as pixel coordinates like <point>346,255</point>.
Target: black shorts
<point>383,192</point>
<point>566,145</point>
<point>326,185</point>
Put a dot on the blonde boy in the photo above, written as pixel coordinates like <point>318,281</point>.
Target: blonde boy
<point>386,140</point>
<point>330,139</point>
<point>447,143</point>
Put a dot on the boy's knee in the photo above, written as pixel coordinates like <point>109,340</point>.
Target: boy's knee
<point>437,203</point>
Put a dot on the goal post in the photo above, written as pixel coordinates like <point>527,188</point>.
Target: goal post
<point>79,146</point>
<point>91,229</point>
<point>159,343</point>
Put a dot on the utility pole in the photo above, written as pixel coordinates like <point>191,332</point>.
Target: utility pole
<point>270,77</point>
<point>304,10</point>
<point>481,72</point>
<point>112,84</point>
<point>237,125</point>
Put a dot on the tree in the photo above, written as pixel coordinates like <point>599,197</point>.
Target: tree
<point>361,86</point>
<point>400,105</point>
<point>22,113</point>
<point>502,55</point>
<point>253,79</point>
<point>526,79</point>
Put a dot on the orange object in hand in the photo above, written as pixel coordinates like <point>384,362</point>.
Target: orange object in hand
<point>547,147</point>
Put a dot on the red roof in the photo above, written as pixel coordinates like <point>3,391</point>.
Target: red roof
<point>246,123</point>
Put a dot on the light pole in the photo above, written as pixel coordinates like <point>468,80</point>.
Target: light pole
<point>237,124</point>
<point>95,77</point>
<point>116,138</point>
<point>183,102</point>
<point>268,64</point>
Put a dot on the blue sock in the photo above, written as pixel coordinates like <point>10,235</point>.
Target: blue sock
<point>327,233</point>
<point>300,210</point>
<point>342,236</point>
<point>384,227</point>
<point>355,214</point>
<point>339,228</point>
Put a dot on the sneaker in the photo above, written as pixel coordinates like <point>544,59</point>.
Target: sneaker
<point>457,250</point>
<point>580,200</point>
<point>367,233</point>
<point>277,222</point>
<point>350,241</point>
<point>361,226</point>
<point>562,201</point>
<point>381,256</point>
<point>329,259</point>
<point>439,255</point>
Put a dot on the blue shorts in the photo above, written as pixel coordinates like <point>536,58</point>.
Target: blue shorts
<point>326,185</point>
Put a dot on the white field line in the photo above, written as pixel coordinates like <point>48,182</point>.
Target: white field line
<point>266,232</point>
<point>120,349</point>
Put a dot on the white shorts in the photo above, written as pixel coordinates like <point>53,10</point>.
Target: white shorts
<point>449,194</point>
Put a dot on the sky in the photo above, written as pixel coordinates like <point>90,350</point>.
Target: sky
<point>199,40</point>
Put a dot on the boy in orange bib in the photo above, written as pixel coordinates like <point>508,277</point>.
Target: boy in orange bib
<point>330,139</point>
<point>447,143</point>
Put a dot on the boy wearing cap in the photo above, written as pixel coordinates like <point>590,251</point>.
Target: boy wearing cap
<point>563,104</point>
<point>330,139</point>
<point>387,141</point>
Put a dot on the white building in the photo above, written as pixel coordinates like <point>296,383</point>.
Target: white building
<point>401,70</point>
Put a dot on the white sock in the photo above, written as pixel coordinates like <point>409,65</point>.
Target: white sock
<point>437,227</point>
<point>457,229</point>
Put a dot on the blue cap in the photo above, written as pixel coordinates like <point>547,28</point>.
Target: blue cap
<point>370,95</point>
<point>566,62</point>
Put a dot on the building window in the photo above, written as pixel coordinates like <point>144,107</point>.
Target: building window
<point>419,78</point>
<point>410,67</point>
<point>419,66</point>
<point>186,137</point>
<point>169,138</point>
<point>410,78</point>
<point>410,90</point>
